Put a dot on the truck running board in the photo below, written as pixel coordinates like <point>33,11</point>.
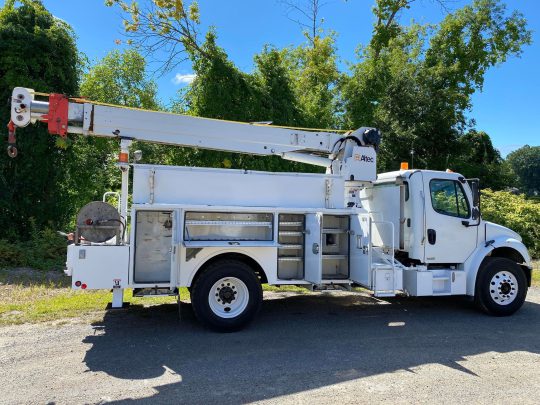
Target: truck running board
<point>154,291</point>
<point>330,287</point>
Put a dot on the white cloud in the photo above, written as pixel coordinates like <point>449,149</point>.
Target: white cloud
<point>180,78</point>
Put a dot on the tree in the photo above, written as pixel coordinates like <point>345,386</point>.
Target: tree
<point>314,75</point>
<point>306,13</point>
<point>119,78</point>
<point>525,163</point>
<point>220,90</point>
<point>37,51</point>
<point>386,26</point>
<point>279,102</point>
<point>475,157</point>
<point>167,26</point>
<point>417,85</point>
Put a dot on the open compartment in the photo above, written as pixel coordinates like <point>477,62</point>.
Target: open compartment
<point>153,243</point>
<point>236,226</point>
<point>291,246</point>
<point>335,247</point>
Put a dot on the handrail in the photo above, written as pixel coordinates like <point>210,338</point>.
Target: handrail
<point>115,193</point>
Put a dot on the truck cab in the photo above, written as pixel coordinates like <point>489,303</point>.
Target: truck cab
<point>439,231</point>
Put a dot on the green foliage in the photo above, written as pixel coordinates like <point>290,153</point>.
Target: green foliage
<point>525,163</point>
<point>314,76</point>
<point>119,78</point>
<point>37,51</point>
<point>475,157</point>
<point>416,82</point>
<point>11,254</point>
<point>278,100</point>
<point>386,26</point>
<point>46,250</point>
<point>515,212</point>
<point>220,90</point>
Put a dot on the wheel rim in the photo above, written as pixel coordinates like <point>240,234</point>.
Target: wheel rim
<point>228,297</point>
<point>503,288</point>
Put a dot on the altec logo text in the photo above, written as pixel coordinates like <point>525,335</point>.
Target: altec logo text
<point>364,158</point>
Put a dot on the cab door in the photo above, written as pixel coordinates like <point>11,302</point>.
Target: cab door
<point>448,211</point>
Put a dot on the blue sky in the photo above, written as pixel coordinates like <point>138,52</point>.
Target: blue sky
<point>507,108</point>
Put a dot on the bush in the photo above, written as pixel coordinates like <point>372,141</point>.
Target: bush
<point>45,251</point>
<point>516,212</point>
<point>11,254</point>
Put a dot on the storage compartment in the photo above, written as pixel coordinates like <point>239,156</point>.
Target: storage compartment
<point>383,280</point>
<point>153,243</point>
<point>216,226</point>
<point>335,247</point>
<point>418,283</point>
<point>97,267</point>
<point>291,246</point>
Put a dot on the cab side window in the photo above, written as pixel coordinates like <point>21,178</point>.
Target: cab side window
<point>448,198</point>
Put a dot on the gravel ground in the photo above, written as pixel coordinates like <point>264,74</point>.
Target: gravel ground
<point>338,347</point>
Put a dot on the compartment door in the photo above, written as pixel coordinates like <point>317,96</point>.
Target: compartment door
<point>360,249</point>
<point>313,248</point>
<point>153,247</point>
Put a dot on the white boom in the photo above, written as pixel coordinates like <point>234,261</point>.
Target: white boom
<point>79,116</point>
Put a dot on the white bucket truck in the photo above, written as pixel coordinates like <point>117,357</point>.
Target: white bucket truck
<point>222,233</point>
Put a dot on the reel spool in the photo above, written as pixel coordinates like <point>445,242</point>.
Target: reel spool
<point>98,222</point>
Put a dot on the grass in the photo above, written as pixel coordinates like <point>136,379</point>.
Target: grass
<point>30,296</point>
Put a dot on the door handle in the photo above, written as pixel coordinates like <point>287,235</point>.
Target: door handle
<point>431,236</point>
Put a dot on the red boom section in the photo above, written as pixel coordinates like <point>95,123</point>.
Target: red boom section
<point>57,119</point>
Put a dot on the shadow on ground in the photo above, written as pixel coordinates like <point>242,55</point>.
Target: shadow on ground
<point>299,343</point>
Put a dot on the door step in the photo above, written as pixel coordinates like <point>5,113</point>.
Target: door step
<point>330,287</point>
<point>154,292</point>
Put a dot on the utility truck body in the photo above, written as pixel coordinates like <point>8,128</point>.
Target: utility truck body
<point>223,232</point>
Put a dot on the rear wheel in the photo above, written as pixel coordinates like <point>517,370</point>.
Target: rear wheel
<point>227,295</point>
<point>501,286</point>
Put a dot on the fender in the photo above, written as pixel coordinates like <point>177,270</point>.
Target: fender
<point>472,264</point>
<point>186,279</point>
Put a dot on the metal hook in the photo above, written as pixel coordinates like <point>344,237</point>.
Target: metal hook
<point>12,148</point>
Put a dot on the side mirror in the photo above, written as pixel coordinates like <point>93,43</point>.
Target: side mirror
<point>475,193</point>
<point>475,211</point>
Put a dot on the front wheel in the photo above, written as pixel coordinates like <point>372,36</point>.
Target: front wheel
<point>227,295</point>
<point>501,286</point>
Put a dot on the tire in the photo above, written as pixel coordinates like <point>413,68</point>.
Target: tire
<point>501,286</point>
<point>227,296</point>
